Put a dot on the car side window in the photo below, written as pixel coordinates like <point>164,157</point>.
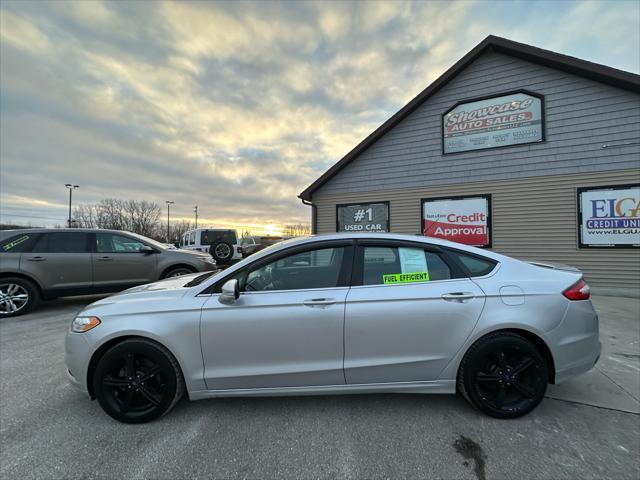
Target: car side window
<point>192,238</point>
<point>114,243</point>
<point>401,265</point>
<point>311,269</point>
<point>477,266</point>
<point>62,242</point>
<point>18,243</point>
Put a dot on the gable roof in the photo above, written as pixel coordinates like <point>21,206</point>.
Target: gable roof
<point>583,68</point>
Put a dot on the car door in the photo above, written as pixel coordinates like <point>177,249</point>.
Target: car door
<point>118,262</point>
<point>409,311</point>
<point>286,328</point>
<point>61,263</point>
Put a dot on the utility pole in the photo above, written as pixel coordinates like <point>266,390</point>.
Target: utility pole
<point>71,189</point>
<point>168,210</point>
<point>195,209</point>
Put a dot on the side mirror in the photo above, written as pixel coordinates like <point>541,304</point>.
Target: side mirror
<point>230,292</point>
<point>147,249</point>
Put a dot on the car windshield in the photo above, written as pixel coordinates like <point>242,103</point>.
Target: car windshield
<point>148,240</point>
<point>207,237</point>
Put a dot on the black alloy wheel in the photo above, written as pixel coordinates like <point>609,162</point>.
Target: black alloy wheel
<point>137,381</point>
<point>503,375</point>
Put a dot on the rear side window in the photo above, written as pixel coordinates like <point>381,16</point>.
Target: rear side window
<point>477,266</point>
<point>63,242</point>
<point>18,243</point>
<point>400,265</point>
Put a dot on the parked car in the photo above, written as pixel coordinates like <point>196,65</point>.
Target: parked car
<point>44,264</point>
<point>342,313</point>
<point>222,244</point>
<point>253,244</point>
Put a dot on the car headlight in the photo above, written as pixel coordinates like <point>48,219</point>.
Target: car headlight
<point>84,324</point>
<point>208,260</point>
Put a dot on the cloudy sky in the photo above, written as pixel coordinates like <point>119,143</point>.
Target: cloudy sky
<point>236,106</point>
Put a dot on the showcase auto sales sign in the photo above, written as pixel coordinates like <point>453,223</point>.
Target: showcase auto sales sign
<point>492,122</point>
<point>458,220</point>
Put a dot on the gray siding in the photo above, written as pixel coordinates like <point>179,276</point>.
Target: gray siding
<point>581,116</point>
<point>532,218</point>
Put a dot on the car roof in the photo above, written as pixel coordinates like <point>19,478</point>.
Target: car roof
<point>387,236</point>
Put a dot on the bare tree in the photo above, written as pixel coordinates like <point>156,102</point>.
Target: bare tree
<point>179,228</point>
<point>134,216</point>
<point>296,230</point>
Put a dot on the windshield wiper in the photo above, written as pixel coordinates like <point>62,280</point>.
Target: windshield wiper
<point>199,279</point>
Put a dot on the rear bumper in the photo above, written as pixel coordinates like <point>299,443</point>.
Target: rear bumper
<point>575,343</point>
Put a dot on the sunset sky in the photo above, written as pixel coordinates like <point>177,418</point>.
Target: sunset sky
<point>236,106</point>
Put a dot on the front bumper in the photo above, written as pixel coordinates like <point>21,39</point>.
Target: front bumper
<point>76,359</point>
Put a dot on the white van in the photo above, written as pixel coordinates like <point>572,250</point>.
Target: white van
<point>222,244</point>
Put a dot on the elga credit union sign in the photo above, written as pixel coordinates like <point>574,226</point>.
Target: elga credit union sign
<point>363,217</point>
<point>609,216</point>
<point>462,220</point>
<point>493,122</point>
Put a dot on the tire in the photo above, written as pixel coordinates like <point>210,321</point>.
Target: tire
<point>503,375</point>
<point>177,272</point>
<point>222,252</point>
<point>137,381</point>
<point>17,296</point>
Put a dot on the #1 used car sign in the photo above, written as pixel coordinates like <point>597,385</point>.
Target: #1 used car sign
<point>462,220</point>
<point>493,122</point>
<point>609,216</point>
<point>364,217</point>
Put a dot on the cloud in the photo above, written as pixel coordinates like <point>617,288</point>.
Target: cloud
<point>235,106</point>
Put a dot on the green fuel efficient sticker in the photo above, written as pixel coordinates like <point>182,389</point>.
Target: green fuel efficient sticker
<point>405,277</point>
<point>17,241</point>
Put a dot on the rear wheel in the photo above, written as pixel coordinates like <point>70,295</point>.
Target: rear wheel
<point>17,296</point>
<point>503,375</point>
<point>137,381</point>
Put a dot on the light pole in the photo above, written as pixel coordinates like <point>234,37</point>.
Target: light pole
<point>168,209</point>
<point>195,209</point>
<point>71,189</point>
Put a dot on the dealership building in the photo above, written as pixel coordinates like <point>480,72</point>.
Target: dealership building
<point>520,150</point>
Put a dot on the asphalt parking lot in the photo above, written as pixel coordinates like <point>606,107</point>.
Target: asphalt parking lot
<point>589,429</point>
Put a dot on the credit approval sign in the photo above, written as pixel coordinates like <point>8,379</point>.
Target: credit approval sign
<point>498,121</point>
<point>458,219</point>
<point>609,216</point>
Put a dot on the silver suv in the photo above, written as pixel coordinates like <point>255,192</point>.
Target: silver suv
<point>48,263</point>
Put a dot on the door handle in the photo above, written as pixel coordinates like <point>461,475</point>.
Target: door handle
<point>319,302</point>
<point>105,259</point>
<point>36,259</point>
<point>458,296</point>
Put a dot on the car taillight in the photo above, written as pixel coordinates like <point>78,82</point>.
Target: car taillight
<point>578,291</point>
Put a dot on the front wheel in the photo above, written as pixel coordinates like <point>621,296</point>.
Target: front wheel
<point>137,381</point>
<point>503,375</point>
<point>17,296</point>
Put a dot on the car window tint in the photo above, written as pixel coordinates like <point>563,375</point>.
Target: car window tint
<point>400,265</point>
<point>62,242</point>
<point>207,237</point>
<point>18,243</point>
<point>313,269</point>
<point>113,243</point>
<point>477,266</point>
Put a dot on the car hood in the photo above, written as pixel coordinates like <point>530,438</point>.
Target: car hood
<point>165,290</point>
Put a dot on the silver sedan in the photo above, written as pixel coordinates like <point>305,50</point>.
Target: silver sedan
<point>343,313</point>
